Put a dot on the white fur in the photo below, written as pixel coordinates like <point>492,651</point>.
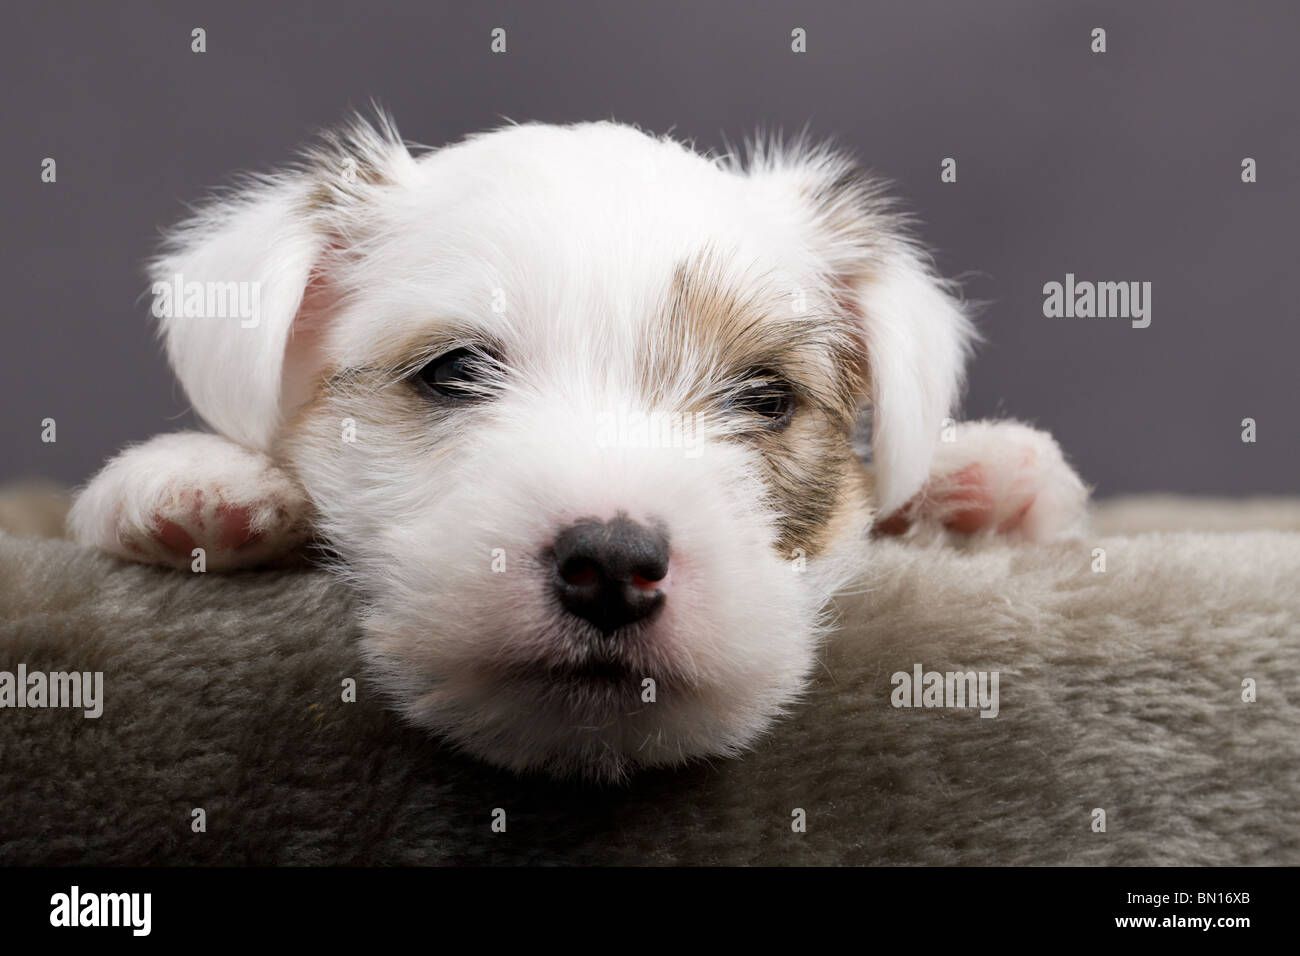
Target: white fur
<point>558,243</point>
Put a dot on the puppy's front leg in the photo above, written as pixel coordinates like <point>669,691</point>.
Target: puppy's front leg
<point>158,501</point>
<point>997,478</point>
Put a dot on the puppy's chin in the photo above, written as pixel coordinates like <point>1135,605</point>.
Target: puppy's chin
<point>542,691</point>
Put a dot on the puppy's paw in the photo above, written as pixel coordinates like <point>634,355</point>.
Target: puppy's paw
<point>997,478</point>
<point>158,501</point>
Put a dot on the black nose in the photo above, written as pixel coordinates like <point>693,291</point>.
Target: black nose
<point>607,572</point>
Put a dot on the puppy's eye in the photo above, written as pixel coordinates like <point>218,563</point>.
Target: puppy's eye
<point>766,395</point>
<point>460,374</point>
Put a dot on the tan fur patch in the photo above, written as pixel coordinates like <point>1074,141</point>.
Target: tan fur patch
<point>719,333</point>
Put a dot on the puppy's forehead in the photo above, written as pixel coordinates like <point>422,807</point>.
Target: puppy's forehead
<point>577,235</point>
<point>609,186</point>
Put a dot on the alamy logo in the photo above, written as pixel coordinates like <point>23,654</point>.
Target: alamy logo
<point>103,909</point>
<point>1098,300</point>
<point>628,428</point>
<point>951,689</point>
<point>179,299</point>
<point>75,689</point>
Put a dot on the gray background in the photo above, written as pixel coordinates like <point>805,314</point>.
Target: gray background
<point>1122,166</point>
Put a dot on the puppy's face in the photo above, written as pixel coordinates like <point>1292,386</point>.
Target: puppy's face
<point>574,407</point>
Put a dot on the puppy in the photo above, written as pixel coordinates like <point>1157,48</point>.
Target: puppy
<point>573,408</point>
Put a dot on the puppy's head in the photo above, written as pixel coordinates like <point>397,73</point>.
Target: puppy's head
<point>574,406</point>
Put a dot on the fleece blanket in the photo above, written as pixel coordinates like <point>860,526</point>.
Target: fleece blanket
<point>1147,713</point>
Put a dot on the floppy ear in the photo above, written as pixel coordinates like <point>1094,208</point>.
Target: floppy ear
<point>918,339</point>
<point>917,334</point>
<point>241,288</point>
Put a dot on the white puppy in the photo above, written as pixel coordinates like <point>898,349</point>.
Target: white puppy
<point>573,408</point>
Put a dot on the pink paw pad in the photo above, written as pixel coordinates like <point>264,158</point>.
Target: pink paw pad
<point>963,502</point>
<point>226,528</point>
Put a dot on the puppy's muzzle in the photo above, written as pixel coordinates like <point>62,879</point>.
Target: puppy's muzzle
<point>610,573</point>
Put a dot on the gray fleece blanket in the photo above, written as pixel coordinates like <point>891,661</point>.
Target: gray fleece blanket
<point>1147,714</point>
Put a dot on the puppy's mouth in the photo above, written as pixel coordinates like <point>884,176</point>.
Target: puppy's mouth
<point>587,662</point>
<point>591,655</point>
<point>597,689</point>
<point>595,671</point>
